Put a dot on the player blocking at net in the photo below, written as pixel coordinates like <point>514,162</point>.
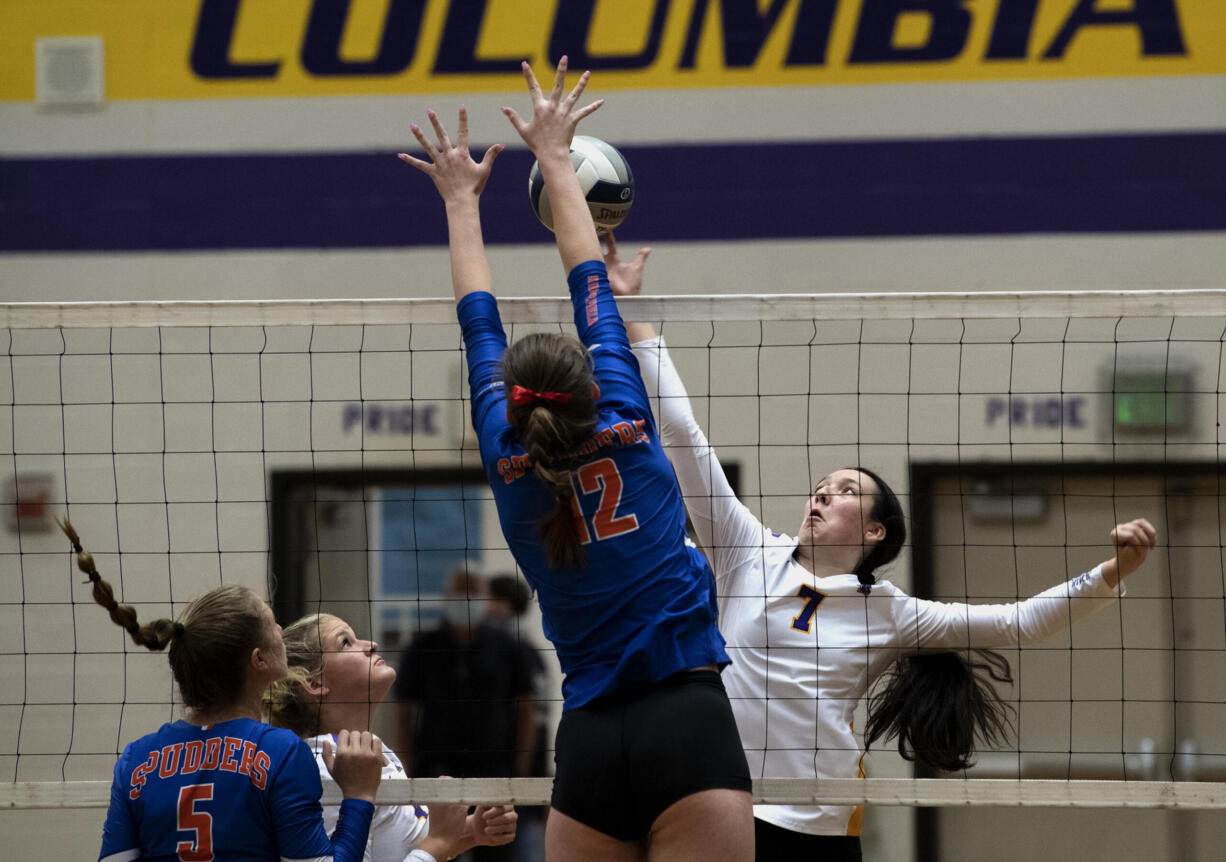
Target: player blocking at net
<point>337,680</point>
<point>648,761</point>
<point>811,629</point>
<point>220,784</point>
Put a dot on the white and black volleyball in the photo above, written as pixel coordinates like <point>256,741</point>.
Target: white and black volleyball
<point>605,177</point>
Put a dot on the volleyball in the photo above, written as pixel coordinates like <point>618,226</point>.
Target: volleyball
<point>604,176</point>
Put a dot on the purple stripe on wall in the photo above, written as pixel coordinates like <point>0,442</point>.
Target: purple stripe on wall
<point>981,186</point>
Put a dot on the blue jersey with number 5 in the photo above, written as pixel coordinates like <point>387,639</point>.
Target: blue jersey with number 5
<point>644,605</point>
<point>238,790</point>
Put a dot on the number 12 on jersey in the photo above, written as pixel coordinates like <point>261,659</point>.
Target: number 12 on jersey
<point>602,476</point>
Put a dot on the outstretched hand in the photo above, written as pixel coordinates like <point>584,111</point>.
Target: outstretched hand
<point>450,166</point>
<point>554,116</point>
<point>1133,542</point>
<point>625,278</point>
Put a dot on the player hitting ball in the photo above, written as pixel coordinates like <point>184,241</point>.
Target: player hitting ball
<point>649,765</point>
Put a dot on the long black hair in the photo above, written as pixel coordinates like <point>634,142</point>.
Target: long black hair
<point>935,703</point>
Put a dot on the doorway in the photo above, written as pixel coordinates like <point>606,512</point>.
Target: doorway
<point>1137,692</point>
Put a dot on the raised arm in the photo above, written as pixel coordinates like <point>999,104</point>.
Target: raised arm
<point>726,529</point>
<point>934,625</point>
<point>459,181</point>
<point>548,134</point>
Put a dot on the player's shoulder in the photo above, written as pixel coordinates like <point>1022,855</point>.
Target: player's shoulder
<point>276,739</point>
<point>164,735</point>
<point>884,590</point>
<point>778,543</point>
<point>392,767</point>
<point>889,588</point>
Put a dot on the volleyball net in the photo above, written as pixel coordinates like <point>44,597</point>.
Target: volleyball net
<point>320,452</point>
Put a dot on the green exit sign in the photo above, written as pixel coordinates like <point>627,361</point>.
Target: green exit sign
<point>1152,402</point>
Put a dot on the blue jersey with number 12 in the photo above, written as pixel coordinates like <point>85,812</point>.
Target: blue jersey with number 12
<point>237,790</point>
<point>644,605</point>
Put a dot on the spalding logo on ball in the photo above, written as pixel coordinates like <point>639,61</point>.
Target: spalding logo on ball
<point>604,176</point>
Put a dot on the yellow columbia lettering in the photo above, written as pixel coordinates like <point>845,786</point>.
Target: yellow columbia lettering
<point>175,49</point>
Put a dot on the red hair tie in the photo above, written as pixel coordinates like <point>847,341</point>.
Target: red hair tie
<point>522,395</point>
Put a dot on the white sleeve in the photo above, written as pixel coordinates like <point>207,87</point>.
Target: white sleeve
<point>728,532</point>
<point>395,830</point>
<point>926,624</point>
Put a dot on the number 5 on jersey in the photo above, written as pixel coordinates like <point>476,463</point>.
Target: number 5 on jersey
<point>602,476</point>
<point>196,821</point>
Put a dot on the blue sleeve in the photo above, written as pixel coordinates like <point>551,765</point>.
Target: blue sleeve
<point>485,342</point>
<point>600,327</point>
<point>298,815</point>
<point>352,829</point>
<point>120,832</point>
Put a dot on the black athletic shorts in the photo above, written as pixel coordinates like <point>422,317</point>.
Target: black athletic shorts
<point>773,843</point>
<point>626,756</point>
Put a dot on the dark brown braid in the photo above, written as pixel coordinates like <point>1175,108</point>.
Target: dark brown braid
<point>155,635</point>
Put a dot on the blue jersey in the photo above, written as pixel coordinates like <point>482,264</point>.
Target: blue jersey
<point>644,605</point>
<point>238,790</point>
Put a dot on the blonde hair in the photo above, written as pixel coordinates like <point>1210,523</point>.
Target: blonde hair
<point>210,643</point>
<point>287,701</point>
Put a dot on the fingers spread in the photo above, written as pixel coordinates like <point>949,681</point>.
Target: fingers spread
<point>534,89</point>
<point>443,141</point>
<point>592,108</point>
<point>425,144</point>
<point>424,167</point>
<point>559,80</point>
<point>491,154</point>
<point>517,121</point>
<point>578,89</point>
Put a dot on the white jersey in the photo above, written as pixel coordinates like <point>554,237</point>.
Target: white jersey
<point>800,668</point>
<point>395,829</point>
